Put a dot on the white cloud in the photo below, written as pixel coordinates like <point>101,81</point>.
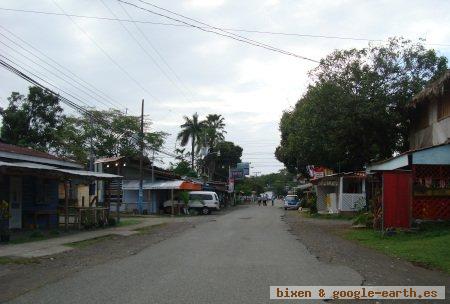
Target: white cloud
<point>250,86</point>
<point>203,4</point>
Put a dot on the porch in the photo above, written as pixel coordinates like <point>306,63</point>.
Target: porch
<point>41,196</point>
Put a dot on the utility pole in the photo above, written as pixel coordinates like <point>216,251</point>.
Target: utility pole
<point>153,166</point>
<point>91,148</point>
<point>141,162</point>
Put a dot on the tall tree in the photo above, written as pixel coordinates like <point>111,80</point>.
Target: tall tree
<point>191,130</point>
<point>356,108</point>
<point>215,125</point>
<point>32,121</point>
<point>230,155</point>
<point>105,133</point>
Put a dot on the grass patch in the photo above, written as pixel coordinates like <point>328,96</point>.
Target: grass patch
<point>18,261</point>
<point>428,247</point>
<point>32,236</point>
<point>148,229</point>
<point>128,222</point>
<point>89,242</point>
<point>329,216</point>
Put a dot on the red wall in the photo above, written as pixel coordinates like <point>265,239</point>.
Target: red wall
<point>397,198</point>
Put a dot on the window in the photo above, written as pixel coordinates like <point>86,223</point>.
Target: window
<point>200,197</point>
<point>444,107</point>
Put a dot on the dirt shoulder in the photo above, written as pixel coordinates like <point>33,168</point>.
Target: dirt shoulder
<point>322,238</point>
<point>17,279</point>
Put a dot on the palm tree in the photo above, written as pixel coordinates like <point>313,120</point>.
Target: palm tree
<point>214,129</point>
<point>191,130</point>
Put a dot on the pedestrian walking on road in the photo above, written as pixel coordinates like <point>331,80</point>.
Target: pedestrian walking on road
<point>264,200</point>
<point>273,200</point>
<point>259,200</point>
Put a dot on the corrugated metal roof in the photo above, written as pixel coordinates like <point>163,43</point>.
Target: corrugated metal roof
<point>148,185</point>
<point>25,151</point>
<point>88,173</point>
<point>108,159</point>
<point>34,166</point>
<point>18,153</point>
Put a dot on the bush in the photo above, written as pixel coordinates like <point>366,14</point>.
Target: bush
<point>36,234</point>
<point>365,219</point>
<point>311,203</point>
<point>193,212</point>
<point>112,222</point>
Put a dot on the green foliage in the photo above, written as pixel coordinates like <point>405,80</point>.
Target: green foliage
<point>32,121</point>
<point>365,219</point>
<point>111,133</point>
<point>230,155</point>
<point>191,130</point>
<point>37,121</point>
<point>184,169</point>
<point>311,203</point>
<point>184,196</point>
<point>355,110</point>
<point>275,182</point>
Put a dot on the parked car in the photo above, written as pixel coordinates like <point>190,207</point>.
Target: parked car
<point>291,202</point>
<point>204,201</point>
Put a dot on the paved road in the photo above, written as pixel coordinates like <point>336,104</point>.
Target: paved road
<point>234,258</point>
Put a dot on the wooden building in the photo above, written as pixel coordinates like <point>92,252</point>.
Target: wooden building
<point>340,192</point>
<point>415,185</point>
<point>42,190</point>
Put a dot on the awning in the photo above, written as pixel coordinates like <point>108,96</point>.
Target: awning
<point>89,174</point>
<point>38,167</point>
<point>161,185</point>
<point>305,186</point>
<point>435,155</point>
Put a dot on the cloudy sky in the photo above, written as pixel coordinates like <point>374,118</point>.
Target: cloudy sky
<point>180,70</point>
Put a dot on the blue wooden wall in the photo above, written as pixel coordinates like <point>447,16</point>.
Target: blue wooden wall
<point>30,201</point>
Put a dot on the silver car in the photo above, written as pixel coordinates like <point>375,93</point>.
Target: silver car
<point>291,202</point>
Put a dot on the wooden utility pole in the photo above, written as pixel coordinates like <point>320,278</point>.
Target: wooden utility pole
<point>66,205</point>
<point>141,162</point>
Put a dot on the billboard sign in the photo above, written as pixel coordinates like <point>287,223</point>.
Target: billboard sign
<point>237,173</point>
<point>245,167</point>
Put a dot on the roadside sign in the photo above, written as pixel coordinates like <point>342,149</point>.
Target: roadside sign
<point>245,167</point>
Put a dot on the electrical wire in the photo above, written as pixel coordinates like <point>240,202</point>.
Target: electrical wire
<point>225,28</point>
<point>232,36</point>
<point>146,52</point>
<point>49,71</point>
<point>169,67</point>
<point>75,77</point>
<point>134,80</point>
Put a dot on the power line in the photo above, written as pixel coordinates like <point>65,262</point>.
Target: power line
<point>145,50</point>
<point>231,35</point>
<point>225,31</point>
<point>277,33</point>
<point>49,71</point>
<point>75,77</point>
<point>106,53</point>
<point>40,78</point>
<point>156,51</point>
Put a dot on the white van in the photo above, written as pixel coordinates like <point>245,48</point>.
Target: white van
<point>204,201</point>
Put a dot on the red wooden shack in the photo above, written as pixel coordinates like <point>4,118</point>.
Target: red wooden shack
<point>415,185</point>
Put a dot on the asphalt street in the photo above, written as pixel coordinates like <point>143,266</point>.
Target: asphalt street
<point>232,258</point>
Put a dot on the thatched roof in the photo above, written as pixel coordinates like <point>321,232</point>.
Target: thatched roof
<point>434,89</point>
